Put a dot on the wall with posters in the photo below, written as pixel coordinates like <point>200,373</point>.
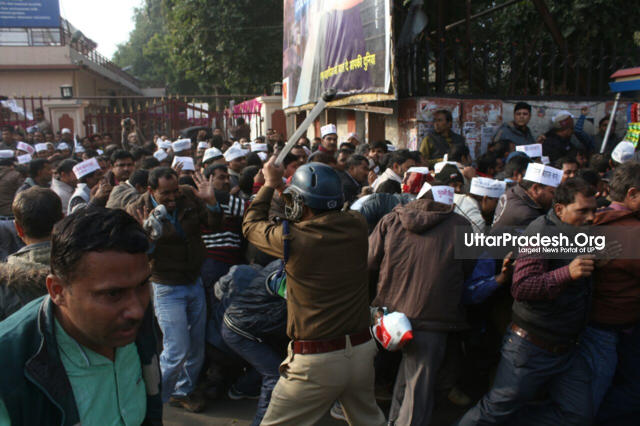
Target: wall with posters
<point>478,119</point>
<point>341,44</point>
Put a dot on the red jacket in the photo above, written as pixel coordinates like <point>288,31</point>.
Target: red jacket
<point>616,299</point>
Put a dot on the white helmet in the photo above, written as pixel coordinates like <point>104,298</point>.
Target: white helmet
<point>393,331</point>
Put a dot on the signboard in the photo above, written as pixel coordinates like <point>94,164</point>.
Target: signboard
<point>30,13</point>
<point>341,44</point>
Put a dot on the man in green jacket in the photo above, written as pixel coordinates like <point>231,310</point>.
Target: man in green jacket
<point>86,352</point>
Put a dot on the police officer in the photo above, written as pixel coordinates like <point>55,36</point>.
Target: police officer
<point>331,353</point>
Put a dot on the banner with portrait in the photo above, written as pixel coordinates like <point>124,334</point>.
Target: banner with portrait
<point>341,44</point>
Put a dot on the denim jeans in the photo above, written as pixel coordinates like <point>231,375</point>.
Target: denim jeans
<point>620,404</point>
<point>524,370</point>
<point>599,348</point>
<point>181,314</point>
<point>261,357</point>
<point>212,270</point>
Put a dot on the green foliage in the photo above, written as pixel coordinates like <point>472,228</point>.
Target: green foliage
<point>146,50</point>
<point>204,46</point>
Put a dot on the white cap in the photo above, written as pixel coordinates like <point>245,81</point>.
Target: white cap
<point>160,155</point>
<point>258,147</point>
<point>543,174</point>
<point>263,156</point>
<point>187,163</point>
<point>353,135</point>
<point>181,145</point>
<point>391,147</point>
<point>203,145</point>
<point>487,187</point>
<point>623,152</point>
<point>86,167</point>
<point>534,150</point>
<point>6,153</point>
<point>341,143</point>
<point>62,146</point>
<point>561,115</point>
<point>22,146</point>
<point>41,147</point>
<point>164,144</point>
<point>65,130</point>
<point>441,193</point>
<point>78,148</point>
<point>99,151</point>
<point>211,153</point>
<point>23,159</point>
<point>329,129</point>
<point>235,151</point>
<point>421,170</point>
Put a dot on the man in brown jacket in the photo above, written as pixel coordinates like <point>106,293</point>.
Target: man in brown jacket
<point>10,181</point>
<point>331,354</point>
<point>176,259</point>
<point>412,249</point>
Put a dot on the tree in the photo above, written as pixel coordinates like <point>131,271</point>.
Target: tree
<point>227,45</point>
<point>146,52</point>
<point>206,46</point>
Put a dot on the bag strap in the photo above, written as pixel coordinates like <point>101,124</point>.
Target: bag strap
<point>287,242</point>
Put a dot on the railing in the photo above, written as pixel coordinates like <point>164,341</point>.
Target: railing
<point>158,116</point>
<point>66,35</point>
<point>501,69</point>
<point>152,115</point>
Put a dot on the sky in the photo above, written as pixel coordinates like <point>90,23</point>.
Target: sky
<point>107,22</point>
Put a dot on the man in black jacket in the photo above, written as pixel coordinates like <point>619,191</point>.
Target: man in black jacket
<point>354,177</point>
<point>549,313</point>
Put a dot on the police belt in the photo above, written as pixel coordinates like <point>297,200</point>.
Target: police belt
<point>306,347</point>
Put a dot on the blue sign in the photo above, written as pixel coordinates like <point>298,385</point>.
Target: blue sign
<point>29,13</point>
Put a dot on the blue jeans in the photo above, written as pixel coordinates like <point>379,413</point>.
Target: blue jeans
<point>212,270</point>
<point>620,404</point>
<point>181,313</point>
<point>599,348</point>
<point>524,370</point>
<point>261,357</point>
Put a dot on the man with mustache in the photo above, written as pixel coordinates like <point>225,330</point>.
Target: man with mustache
<point>86,352</point>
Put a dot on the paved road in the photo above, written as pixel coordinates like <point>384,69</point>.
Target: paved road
<point>240,413</point>
<point>224,413</point>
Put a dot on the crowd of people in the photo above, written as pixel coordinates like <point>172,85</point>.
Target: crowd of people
<point>142,272</point>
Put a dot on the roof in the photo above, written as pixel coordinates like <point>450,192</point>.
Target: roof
<point>627,72</point>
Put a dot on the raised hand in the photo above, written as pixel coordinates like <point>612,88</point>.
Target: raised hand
<point>141,215</point>
<point>205,190</point>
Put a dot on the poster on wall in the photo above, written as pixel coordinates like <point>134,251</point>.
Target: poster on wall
<point>29,13</point>
<point>341,44</point>
<point>487,116</point>
<point>424,115</point>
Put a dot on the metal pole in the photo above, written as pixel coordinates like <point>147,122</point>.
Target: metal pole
<point>313,114</point>
<point>610,124</point>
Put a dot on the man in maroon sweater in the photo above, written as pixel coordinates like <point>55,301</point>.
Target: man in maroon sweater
<point>612,332</point>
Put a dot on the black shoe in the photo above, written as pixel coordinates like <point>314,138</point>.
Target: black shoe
<point>235,394</point>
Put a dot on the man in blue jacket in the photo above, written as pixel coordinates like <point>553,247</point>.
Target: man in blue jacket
<point>86,352</point>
